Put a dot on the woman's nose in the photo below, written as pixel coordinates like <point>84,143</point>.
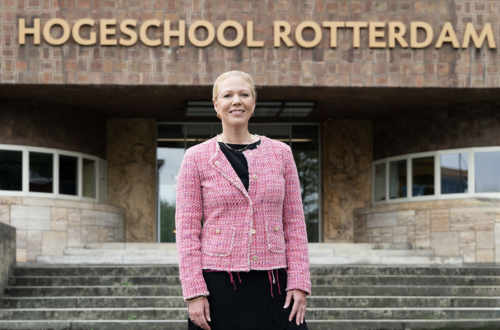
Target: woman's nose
<point>236,99</point>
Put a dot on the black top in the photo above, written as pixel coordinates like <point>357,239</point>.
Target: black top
<point>238,160</point>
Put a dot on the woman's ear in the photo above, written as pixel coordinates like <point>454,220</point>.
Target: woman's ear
<point>215,105</point>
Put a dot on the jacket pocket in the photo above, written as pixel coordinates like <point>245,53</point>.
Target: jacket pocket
<point>217,241</point>
<point>275,235</point>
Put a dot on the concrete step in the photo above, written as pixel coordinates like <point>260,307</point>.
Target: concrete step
<point>386,260</point>
<point>313,302</point>
<point>384,253</point>
<point>155,270</point>
<point>315,280</point>
<point>121,253</point>
<point>311,313</point>
<point>324,290</point>
<point>107,260</point>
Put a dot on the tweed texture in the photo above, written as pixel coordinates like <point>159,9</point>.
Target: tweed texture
<point>208,188</point>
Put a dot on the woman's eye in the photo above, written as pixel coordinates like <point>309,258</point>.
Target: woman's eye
<point>244,94</point>
<point>227,95</point>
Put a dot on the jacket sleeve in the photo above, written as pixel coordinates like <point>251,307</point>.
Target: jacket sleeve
<point>188,216</point>
<point>294,226</point>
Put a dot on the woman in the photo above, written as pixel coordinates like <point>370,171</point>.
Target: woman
<point>252,245</point>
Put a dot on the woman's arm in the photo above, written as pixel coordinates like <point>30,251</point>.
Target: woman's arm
<point>188,215</point>
<point>294,227</point>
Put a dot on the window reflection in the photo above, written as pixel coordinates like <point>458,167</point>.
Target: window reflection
<point>68,175</point>
<point>454,173</point>
<point>41,172</point>
<point>397,179</point>
<point>487,170</point>
<point>11,170</point>
<point>89,178</point>
<point>380,182</point>
<point>423,176</point>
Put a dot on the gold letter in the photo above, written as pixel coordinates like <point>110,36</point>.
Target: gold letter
<point>278,35</point>
<point>317,34</point>
<point>373,34</point>
<point>35,31</point>
<point>76,32</point>
<point>181,34</point>
<point>129,32</point>
<point>356,27</point>
<point>239,34</point>
<point>105,32</point>
<point>414,26</point>
<point>250,41</point>
<point>143,32</point>
<point>333,31</point>
<point>211,33</point>
<point>49,25</point>
<point>487,32</point>
<point>393,35</point>
<point>447,35</point>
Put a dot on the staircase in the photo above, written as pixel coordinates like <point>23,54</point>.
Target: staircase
<point>319,253</point>
<point>343,297</point>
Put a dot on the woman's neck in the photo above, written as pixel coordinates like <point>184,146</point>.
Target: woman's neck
<point>237,136</point>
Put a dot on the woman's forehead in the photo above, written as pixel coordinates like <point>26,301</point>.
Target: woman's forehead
<point>234,83</point>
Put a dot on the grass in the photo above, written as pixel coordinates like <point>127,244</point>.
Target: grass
<point>127,284</point>
<point>132,317</point>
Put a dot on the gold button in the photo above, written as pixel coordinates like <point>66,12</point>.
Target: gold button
<point>251,154</point>
<point>253,231</point>
<point>255,176</point>
<point>216,163</point>
<point>217,231</point>
<point>276,228</point>
<point>255,258</point>
<point>237,179</point>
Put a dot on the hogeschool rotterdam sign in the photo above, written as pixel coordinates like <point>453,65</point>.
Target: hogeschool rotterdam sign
<point>380,34</point>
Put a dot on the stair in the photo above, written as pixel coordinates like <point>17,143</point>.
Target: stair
<point>343,297</point>
<point>319,253</point>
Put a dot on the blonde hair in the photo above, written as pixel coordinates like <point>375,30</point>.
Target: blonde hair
<point>241,74</point>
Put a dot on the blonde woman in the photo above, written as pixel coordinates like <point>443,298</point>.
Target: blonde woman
<point>247,265</point>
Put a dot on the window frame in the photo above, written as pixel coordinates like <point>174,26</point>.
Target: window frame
<point>55,154</point>
<point>471,152</point>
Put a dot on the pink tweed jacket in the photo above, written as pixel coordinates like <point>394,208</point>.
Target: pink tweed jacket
<point>261,229</point>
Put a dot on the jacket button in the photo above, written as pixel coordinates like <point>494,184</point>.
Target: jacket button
<point>276,228</point>
<point>255,176</point>
<point>251,154</point>
<point>237,179</point>
<point>255,258</point>
<point>253,231</point>
<point>217,231</point>
<point>216,163</point>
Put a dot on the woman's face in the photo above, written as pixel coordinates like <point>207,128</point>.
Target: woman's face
<point>234,103</point>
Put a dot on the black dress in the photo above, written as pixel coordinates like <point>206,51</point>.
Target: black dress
<point>247,300</point>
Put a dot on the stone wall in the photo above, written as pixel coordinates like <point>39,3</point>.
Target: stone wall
<point>131,145</point>
<point>7,254</point>
<point>189,65</point>
<point>469,228</point>
<point>45,227</point>
<point>346,170</point>
<point>445,127</point>
<point>49,125</point>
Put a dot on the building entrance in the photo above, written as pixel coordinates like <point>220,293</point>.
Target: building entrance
<point>174,138</point>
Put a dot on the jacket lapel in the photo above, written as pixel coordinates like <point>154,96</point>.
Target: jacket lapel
<point>220,163</point>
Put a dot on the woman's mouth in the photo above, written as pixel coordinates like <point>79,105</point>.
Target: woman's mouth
<point>236,112</point>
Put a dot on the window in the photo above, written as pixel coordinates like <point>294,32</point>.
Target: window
<point>487,171</point>
<point>52,173</point>
<point>454,173</point>
<point>443,174</point>
<point>397,179</point>
<point>174,139</point>
<point>423,176</point>
<point>11,170</point>
<point>380,186</point>
<point>41,172</point>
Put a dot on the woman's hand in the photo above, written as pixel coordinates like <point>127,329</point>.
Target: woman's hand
<point>299,305</point>
<point>199,313</point>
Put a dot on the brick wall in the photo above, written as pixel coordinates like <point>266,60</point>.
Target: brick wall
<point>445,127</point>
<point>47,125</point>
<point>319,66</point>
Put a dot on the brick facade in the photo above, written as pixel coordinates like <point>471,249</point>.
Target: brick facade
<point>319,66</point>
<point>48,125</point>
<point>439,128</point>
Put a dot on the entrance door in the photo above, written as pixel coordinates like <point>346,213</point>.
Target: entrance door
<point>175,138</point>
